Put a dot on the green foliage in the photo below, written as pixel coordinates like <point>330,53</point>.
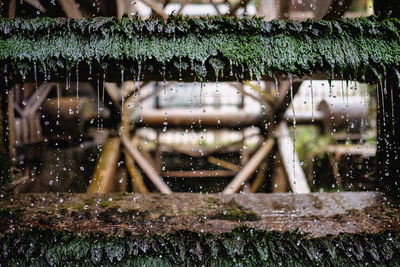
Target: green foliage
<point>203,47</point>
<point>241,247</point>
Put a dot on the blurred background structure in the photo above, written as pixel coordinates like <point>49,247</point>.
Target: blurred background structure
<point>192,137</point>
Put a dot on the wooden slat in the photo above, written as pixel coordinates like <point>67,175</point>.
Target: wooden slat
<point>197,174</point>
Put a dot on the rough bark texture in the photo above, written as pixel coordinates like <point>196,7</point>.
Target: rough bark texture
<point>325,228</point>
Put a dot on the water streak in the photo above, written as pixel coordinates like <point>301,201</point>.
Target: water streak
<point>122,90</point>
<point>294,128</point>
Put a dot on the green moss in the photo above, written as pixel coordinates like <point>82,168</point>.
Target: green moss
<point>241,247</point>
<point>232,211</point>
<point>211,200</point>
<point>89,201</point>
<point>104,204</point>
<point>197,47</point>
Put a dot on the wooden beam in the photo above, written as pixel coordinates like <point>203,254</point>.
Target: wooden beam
<point>260,178</point>
<point>114,92</point>
<point>197,174</point>
<point>294,171</point>
<point>146,167</point>
<point>103,176</point>
<point>136,177</point>
<point>12,8</point>
<point>250,167</point>
<point>224,164</point>
<point>156,8</point>
<point>70,9</point>
<point>36,4</point>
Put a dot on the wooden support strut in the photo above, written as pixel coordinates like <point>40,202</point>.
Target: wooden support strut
<point>250,167</point>
<point>294,171</point>
<point>146,167</point>
<point>102,180</point>
<point>137,179</point>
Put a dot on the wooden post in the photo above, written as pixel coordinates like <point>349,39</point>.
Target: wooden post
<point>103,176</point>
<point>136,178</point>
<point>294,171</point>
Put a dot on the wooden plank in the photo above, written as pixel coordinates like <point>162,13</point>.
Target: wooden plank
<point>250,167</point>
<point>197,174</point>
<point>294,171</point>
<point>146,167</point>
<point>315,215</point>
<point>103,176</point>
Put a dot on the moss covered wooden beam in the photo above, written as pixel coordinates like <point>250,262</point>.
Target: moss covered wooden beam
<point>196,48</point>
<point>194,229</point>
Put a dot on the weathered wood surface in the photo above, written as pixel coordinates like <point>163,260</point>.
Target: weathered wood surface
<point>316,215</point>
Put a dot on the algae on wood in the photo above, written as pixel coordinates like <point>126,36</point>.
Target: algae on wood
<point>197,48</point>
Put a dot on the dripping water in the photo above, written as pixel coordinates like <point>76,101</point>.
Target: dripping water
<point>393,117</point>
<point>201,94</point>
<point>276,88</point>
<point>104,86</point>
<point>122,90</point>
<point>294,128</point>
<point>164,87</point>
<point>342,82</point>
<point>77,88</point>
<point>45,73</point>
<point>35,77</point>
<point>312,101</point>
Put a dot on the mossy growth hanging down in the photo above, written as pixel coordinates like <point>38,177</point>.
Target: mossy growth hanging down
<point>207,48</point>
<point>241,247</point>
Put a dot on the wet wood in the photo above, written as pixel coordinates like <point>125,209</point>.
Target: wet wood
<point>197,174</point>
<point>247,171</point>
<point>224,164</point>
<point>314,215</point>
<point>136,177</point>
<point>71,9</point>
<point>196,118</point>
<point>260,178</point>
<point>294,171</point>
<point>103,177</point>
<point>146,167</point>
